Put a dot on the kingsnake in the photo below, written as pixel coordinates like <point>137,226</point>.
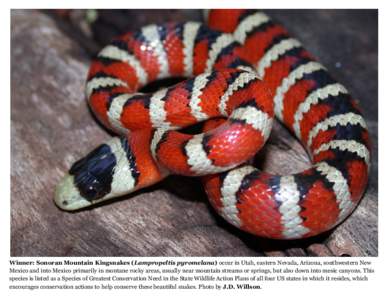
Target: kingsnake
<point>246,68</point>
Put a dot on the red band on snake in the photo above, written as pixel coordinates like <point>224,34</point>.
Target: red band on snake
<point>243,68</point>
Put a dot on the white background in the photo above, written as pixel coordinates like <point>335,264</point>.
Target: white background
<point>374,290</point>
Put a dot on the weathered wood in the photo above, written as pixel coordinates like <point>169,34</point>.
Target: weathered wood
<point>52,127</point>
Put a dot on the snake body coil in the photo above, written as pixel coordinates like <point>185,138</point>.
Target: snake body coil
<point>246,68</point>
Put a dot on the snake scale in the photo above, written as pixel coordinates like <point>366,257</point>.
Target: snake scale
<point>242,70</point>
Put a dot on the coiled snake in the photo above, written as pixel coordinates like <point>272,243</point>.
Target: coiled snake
<point>243,69</point>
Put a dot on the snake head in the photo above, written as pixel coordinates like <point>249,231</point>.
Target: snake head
<point>89,179</point>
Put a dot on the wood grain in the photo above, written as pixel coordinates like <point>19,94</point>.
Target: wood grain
<point>51,127</point>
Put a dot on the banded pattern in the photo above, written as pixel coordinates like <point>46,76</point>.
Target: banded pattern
<point>246,69</point>
<point>220,85</point>
<point>321,113</point>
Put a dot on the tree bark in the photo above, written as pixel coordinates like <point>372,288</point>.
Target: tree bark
<point>51,127</point>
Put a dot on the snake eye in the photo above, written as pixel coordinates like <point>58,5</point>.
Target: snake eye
<point>93,173</point>
<point>94,190</point>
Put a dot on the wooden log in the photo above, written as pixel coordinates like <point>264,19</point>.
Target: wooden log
<point>52,127</point>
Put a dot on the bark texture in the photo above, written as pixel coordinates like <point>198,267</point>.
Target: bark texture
<point>51,127</point>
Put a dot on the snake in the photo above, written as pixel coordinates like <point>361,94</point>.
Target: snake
<point>241,69</point>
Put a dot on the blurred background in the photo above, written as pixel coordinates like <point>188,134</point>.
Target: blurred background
<point>51,127</point>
